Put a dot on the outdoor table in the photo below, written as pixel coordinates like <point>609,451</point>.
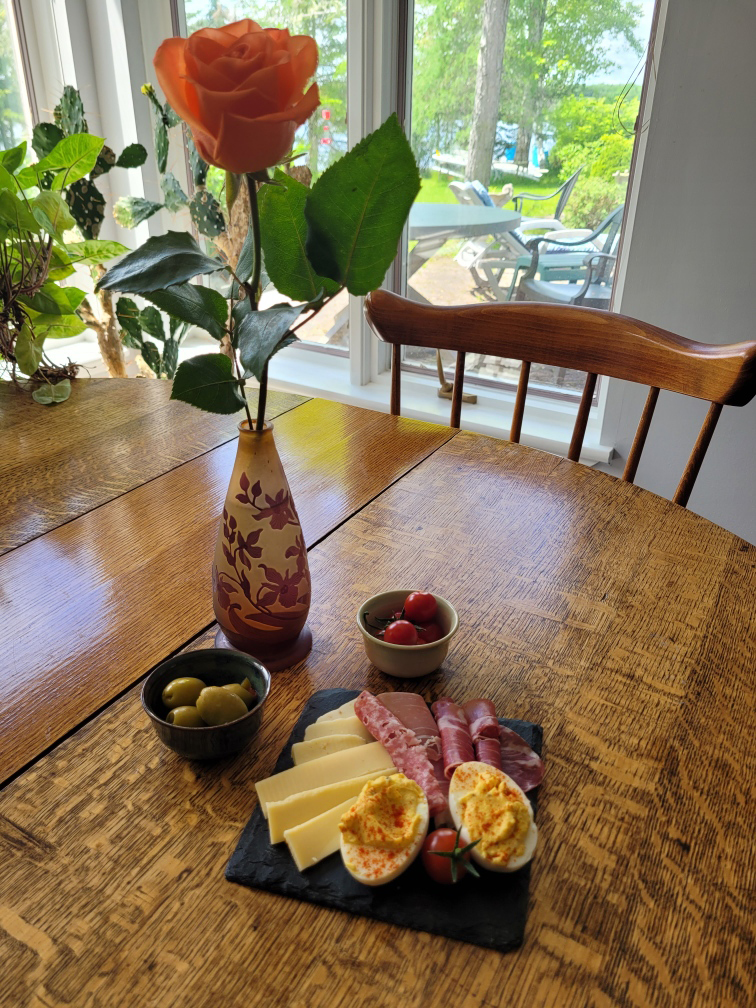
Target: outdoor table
<point>622,623</point>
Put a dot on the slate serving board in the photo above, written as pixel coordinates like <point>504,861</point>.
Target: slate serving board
<point>489,911</point>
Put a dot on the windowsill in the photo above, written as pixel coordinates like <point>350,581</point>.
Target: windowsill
<point>547,423</point>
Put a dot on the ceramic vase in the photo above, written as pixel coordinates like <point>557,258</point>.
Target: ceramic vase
<point>261,580</point>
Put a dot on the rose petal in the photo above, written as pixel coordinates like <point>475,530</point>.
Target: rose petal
<point>262,99</point>
<point>299,112</point>
<point>170,67</point>
<point>243,146</point>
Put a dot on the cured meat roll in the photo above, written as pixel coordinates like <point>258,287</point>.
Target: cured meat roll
<point>524,766</point>
<point>403,747</point>
<point>484,729</point>
<point>456,741</point>
<point>414,714</point>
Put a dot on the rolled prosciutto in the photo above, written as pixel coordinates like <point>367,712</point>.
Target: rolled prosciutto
<point>414,714</point>
<point>456,741</point>
<point>524,766</point>
<point>484,729</point>
<point>403,747</point>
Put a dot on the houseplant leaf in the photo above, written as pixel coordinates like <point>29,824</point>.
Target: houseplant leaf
<point>45,136</point>
<point>200,306</point>
<point>28,350</point>
<point>152,323</point>
<point>51,212</point>
<point>163,260</point>
<point>15,212</point>
<point>356,210</point>
<point>261,334</point>
<point>132,210</point>
<point>94,251</point>
<point>13,158</point>
<point>132,156</point>
<point>175,197</point>
<point>208,382</point>
<point>49,300</point>
<point>71,159</point>
<point>284,235</point>
<point>48,394</point>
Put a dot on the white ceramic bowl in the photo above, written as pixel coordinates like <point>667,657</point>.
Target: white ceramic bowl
<point>400,660</point>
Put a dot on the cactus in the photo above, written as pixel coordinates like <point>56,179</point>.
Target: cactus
<point>206,213</point>
<point>175,197</point>
<point>69,112</point>
<point>44,137</point>
<point>132,156</point>
<point>199,167</point>
<point>129,211</point>
<point>135,323</point>
<point>87,206</point>
<point>105,161</point>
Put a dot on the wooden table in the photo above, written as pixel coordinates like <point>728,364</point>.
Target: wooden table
<point>622,623</point>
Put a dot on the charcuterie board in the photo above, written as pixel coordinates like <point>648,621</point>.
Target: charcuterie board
<point>489,911</point>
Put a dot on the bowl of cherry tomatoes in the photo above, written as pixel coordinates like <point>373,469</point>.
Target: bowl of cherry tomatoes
<point>407,633</point>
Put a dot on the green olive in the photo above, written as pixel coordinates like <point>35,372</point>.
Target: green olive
<point>186,717</point>
<point>238,689</point>
<point>217,705</point>
<point>182,692</point>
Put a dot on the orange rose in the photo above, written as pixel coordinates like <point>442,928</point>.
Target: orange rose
<point>240,89</point>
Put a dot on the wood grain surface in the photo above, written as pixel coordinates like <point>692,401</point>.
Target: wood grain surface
<point>89,607</point>
<point>619,621</point>
<point>112,435</point>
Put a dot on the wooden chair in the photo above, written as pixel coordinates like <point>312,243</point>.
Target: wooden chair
<point>586,339</point>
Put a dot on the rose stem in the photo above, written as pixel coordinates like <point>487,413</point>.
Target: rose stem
<point>252,288</point>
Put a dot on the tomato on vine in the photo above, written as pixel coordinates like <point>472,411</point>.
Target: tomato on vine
<point>400,632</point>
<point>444,860</point>
<point>420,607</point>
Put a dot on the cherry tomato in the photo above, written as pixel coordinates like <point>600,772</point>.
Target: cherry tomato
<point>428,632</point>
<point>420,607</point>
<point>443,858</point>
<point>400,632</point>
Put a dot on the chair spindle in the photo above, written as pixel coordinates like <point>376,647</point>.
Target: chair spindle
<point>459,380</point>
<point>519,407</point>
<point>396,379</point>
<point>581,420</point>
<point>697,455</point>
<point>641,433</point>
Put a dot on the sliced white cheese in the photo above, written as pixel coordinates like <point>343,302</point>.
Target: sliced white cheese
<point>346,710</point>
<point>303,752</point>
<point>318,837</point>
<point>366,759</point>
<point>339,726</point>
<point>298,808</point>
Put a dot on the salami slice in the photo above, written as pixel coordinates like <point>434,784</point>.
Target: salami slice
<point>413,712</point>
<point>484,728</point>
<point>524,766</point>
<point>402,745</point>
<point>456,742</point>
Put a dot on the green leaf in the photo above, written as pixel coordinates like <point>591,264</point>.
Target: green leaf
<point>47,394</point>
<point>69,112</point>
<point>45,136</point>
<point>152,323</point>
<point>15,212</point>
<point>199,167</point>
<point>263,333</point>
<point>87,206</point>
<point>356,210</point>
<point>90,253</point>
<point>132,210</point>
<point>7,181</point>
<point>74,296</point>
<point>161,146</point>
<point>129,319</point>
<point>163,260</point>
<point>200,306</point>
<point>170,358</point>
<point>56,326</point>
<point>132,156</point>
<point>246,262</point>
<point>151,357</point>
<point>175,197</point>
<point>51,211</point>
<point>206,213</point>
<point>60,265</point>
<point>208,382</point>
<point>72,158</point>
<point>170,117</point>
<point>49,300</point>
<point>13,158</point>
<point>28,350</point>
<point>284,234</point>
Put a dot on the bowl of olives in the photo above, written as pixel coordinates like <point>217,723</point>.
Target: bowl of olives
<point>206,704</point>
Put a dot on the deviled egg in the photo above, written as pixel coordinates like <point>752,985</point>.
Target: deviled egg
<point>383,831</point>
<point>487,806</point>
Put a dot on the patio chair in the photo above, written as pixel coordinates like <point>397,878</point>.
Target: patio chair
<point>595,341</point>
<point>594,288</point>
<point>564,192</point>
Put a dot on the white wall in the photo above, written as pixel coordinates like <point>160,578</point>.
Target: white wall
<point>691,265</point>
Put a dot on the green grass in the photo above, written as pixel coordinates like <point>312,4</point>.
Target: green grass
<point>436,190</point>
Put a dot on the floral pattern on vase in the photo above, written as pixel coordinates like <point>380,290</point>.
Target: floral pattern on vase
<point>261,579</point>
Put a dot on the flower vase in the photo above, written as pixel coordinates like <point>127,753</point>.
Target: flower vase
<point>261,580</point>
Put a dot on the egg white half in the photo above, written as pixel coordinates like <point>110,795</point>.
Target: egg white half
<point>373,866</point>
<point>462,782</point>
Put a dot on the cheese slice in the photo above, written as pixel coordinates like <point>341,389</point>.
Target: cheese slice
<point>318,837</point>
<point>298,808</point>
<point>346,710</point>
<point>302,752</point>
<point>339,766</point>
<point>338,726</point>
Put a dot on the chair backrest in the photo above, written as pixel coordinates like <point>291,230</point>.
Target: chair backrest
<point>465,194</point>
<point>565,192</point>
<point>587,339</point>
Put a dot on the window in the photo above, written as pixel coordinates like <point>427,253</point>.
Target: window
<point>15,115</point>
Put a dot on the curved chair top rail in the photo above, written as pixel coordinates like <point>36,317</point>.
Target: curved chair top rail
<point>586,339</point>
